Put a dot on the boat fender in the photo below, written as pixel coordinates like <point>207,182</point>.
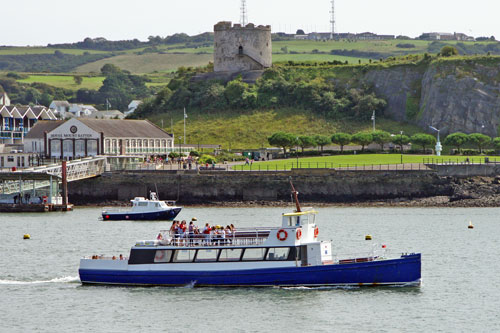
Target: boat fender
<point>282,235</point>
<point>298,234</point>
<point>316,232</point>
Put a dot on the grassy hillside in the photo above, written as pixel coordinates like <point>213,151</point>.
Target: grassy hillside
<point>251,129</point>
<point>66,81</point>
<point>148,63</point>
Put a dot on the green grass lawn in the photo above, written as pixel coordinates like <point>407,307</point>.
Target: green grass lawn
<point>14,50</point>
<point>66,81</point>
<point>359,160</point>
<point>250,129</point>
<point>148,63</point>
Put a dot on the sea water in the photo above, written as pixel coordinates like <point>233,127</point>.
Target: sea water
<point>40,290</point>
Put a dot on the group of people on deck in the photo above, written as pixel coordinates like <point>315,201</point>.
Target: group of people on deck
<point>180,231</point>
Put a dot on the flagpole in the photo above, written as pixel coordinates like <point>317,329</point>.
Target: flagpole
<point>185,116</point>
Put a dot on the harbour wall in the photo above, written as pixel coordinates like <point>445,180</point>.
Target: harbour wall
<point>317,185</point>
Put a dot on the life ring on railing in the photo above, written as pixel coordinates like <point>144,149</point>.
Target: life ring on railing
<point>160,254</point>
<point>282,235</point>
<point>298,234</point>
<point>316,232</point>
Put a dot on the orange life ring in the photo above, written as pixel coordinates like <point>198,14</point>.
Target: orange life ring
<point>316,232</point>
<point>298,234</point>
<point>280,236</point>
<point>160,254</point>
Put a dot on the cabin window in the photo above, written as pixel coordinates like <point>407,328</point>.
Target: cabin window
<point>184,255</point>
<point>254,254</point>
<point>143,204</point>
<point>206,255</point>
<point>230,254</point>
<point>163,255</point>
<point>278,253</point>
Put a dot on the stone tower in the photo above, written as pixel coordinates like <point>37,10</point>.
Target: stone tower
<point>240,48</point>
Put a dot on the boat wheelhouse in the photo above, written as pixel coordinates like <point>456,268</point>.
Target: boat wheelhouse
<point>144,209</point>
<point>289,255</point>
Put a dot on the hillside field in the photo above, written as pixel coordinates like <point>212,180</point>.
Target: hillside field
<point>251,129</point>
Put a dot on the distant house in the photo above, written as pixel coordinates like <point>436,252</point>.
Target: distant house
<point>111,114</point>
<point>372,36</point>
<point>61,107</point>
<point>133,106</point>
<point>4,99</point>
<point>80,110</point>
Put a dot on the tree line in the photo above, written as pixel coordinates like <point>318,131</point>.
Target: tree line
<point>457,140</point>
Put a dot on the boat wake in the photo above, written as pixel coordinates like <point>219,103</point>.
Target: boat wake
<point>190,285</point>
<point>321,288</point>
<point>65,279</point>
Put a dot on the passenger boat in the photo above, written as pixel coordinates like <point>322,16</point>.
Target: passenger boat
<point>145,209</point>
<point>288,255</point>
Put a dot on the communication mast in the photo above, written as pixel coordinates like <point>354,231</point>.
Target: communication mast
<point>244,13</point>
<point>332,19</point>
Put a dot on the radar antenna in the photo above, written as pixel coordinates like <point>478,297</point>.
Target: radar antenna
<point>244,13</point>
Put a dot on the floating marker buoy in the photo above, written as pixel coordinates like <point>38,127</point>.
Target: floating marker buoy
<point>471,226</point>
<point>368,237</point>
<point>27,236</point>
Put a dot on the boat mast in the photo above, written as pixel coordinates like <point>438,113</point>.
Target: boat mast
<point>295,195</point>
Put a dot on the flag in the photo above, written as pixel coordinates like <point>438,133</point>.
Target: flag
<point>108,104</point>
<point>185,114</point>
<point>373,116</point>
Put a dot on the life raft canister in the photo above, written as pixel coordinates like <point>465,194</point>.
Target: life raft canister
<point>298,234</point>
<point>282,235</point>
<point>316,232</point>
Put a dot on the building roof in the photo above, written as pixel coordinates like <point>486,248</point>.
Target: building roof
<point>60,103</point>
<point>41,127</point>
<point>118,128</point>
<point>107,114</point>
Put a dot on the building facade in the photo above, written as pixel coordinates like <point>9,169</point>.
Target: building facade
<point>76,138</point>
<point>17,121</point>
<point>240,48</point>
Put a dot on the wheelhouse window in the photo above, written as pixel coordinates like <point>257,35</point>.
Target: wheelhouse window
<point>254,254</point>
<point>163,255</point>
<point>184,255</point>
<point>278,253</point>
<point>230,254</point>
<point>206,255</point>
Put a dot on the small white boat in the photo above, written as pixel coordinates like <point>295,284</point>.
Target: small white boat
<point>145,209</point>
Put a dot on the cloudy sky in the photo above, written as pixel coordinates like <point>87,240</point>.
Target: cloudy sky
<point>37,22</point>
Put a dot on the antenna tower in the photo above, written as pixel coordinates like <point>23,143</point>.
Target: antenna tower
<point>332,19</point>
<point>244,13</point>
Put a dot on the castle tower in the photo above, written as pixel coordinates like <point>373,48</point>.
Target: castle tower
<point>240,48</point>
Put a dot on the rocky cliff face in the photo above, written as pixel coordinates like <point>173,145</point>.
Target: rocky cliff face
<point>453,95</point>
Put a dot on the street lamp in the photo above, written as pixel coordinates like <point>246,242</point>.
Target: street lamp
<point>373,119</point>
<point>401,145</point>
<point>297,151</point>
<point>439,148</point>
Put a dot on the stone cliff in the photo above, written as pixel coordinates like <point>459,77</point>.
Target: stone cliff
<point>460,94</point>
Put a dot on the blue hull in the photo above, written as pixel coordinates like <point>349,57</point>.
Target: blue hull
<point>165,215</point>
<point>405,270</point>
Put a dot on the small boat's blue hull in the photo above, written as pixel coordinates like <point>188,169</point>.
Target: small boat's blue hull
<point>401,271</point>
<point>164,215</point>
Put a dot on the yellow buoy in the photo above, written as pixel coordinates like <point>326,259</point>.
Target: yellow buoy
<point>27,236</point>
<point>471,226</point>
<point>368,237</point>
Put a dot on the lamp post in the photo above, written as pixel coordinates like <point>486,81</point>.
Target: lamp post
<point>373,119</point>
<point>297,151</point>
<point>439,148</point>
<point>180,145</point>
<point>401,145</point>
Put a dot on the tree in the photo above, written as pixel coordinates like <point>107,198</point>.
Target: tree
<point>448,51</point>
<point>423,140</point>
<point>479,140</point>
<point>78,79</point>
<point>305,141</point>
<point>496,143</point>
<point>341,139</point>
<point>110,69</point>
<point>363,139</point>
<point>322,140</point>
<point>282,139</point>
<point>381,137</point>
<point>456,140</point>
<point>400,140</point>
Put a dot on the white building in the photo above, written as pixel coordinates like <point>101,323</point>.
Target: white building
<point>4,99</point>
<point>62,107</point>
<point>133,106</point>
<point>83,137</point>
<point>81,110</point>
